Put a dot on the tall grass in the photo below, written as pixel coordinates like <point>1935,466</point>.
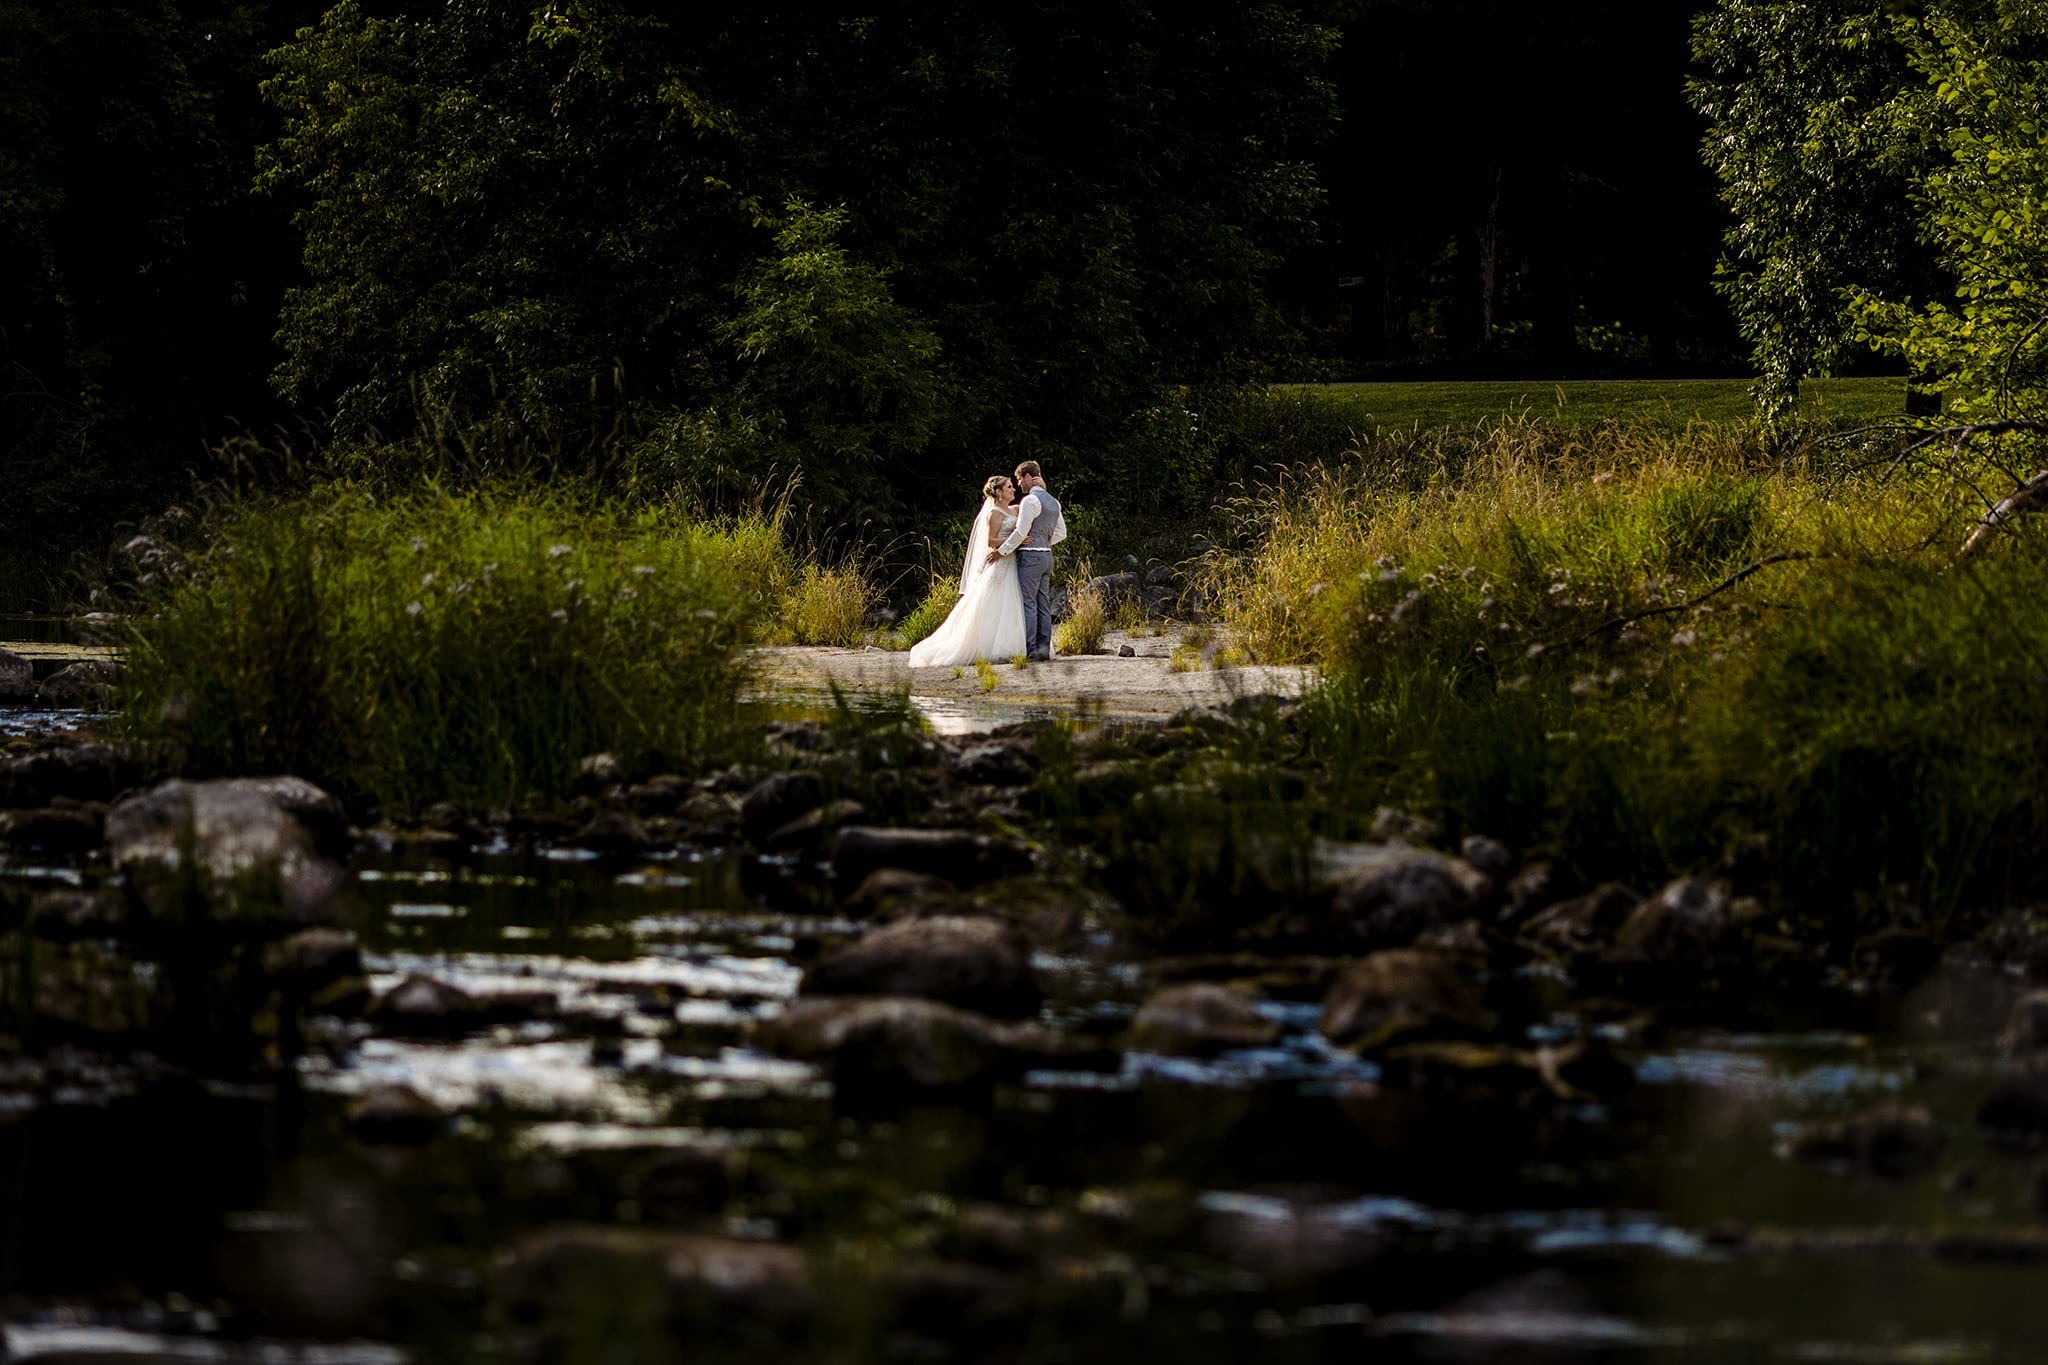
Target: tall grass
<point>430,645</point>
<point>1531,633</point>
<point>828,606</point>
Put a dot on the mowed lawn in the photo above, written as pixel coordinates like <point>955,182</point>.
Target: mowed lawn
<point>1666,402</point>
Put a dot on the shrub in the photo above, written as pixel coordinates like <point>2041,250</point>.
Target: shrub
<point>928,615</point>
<point>437,646</point>
<point>828,606</point>
<point>1081,632</point>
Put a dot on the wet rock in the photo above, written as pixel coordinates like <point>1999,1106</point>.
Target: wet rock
<point>1284,978</point>
<point>615,832</point>
<point>422,1007</point>
<point>701,1288</point>
<point>1199,1019</point>
<point>1399,995</point>
<point>1470,1071</point>
<point>2018,939</point>
<point>961,858</point>
<point>889,887</point>
<point>76,772</point>
<point>311,960</point>
<point>90,682</point>
<point>995,765</point>
<point>1392,893</point>
<point>2017,1106</point>
<point>975,964</point>
<point>1538,884</point>
<point>1006,1237</point>
<point>1583,925</point>
<point>1488,856</point>
<point>887,1047</point>
<point>596,773</point>
<point>1390,823</point>
<point>67,914</point>
<point>777,800</point>
<point>1051,914</point>
<point>812,830</point>
<point>2027,1028</point>
<point>660,795</point>
<point>251,849</point>
<point>17,679</point>
<point>54,830</point>
<point>396,1115</point>
<point>1895,957</point>
<point>1687,924</point>
<point>1892,1140</point>
<point>1290,1241</point>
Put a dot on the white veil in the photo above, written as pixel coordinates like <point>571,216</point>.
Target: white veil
<point>977,546</point>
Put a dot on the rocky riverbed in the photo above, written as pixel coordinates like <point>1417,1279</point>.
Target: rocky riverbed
<point>886,1044</point>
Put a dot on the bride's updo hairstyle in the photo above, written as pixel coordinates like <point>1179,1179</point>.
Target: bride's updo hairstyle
<point>994,485</point>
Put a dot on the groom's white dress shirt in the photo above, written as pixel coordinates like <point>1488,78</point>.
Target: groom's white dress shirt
<point>1027,512</point>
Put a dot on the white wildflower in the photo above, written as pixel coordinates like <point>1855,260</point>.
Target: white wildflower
<point>414,609</point>
<point>557,551</point>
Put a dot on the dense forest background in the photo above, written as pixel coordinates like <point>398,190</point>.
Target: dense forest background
<point>696,251</point>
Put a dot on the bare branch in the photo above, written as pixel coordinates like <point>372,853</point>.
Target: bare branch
<point>1957,435</point>
<point>2030,496</point>
<point>1715,591</point>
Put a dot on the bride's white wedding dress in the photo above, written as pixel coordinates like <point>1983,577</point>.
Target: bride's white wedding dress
<point>988,620</point>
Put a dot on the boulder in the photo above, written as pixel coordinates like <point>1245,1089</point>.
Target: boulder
<point>886,1047</point>
<point>73,914</point>
<point>995,764</point>
<point>1687,924</point>
<point>396,1115</point>
<point>311,960</point>
<point>662,794</point>
<point>1584,924</point>
<point>17,679</point>
<point>249,849</point>
<point>1488,856</point>
<point>1399,995</point>
<point>777,800</point>
<point>962,858</point>
<point>1892,1139</point>
<point>617,833</point>
<point>1199,1018</point>
<point>812,830</point>
<point>703,1287</point>
<point>422,1007</point>
<point>90,682</point>
<point>976,964</point>
<point>1390,893</point>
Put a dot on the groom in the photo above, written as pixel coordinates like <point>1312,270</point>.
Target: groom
<point>1040,526</point>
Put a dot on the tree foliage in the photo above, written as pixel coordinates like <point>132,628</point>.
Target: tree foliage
<point>1815,166</point>
<point>1984,208</point>
<point>778,233</point>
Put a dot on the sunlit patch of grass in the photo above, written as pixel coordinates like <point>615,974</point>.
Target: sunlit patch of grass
<point>928,615</point>
<point>829,606</point>
<point>985,672</point>
<point>432,645</point>
<point>1082,631</point>
<point>1020,661</point>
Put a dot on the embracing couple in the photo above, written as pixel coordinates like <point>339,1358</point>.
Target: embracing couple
<point>1005,606</point>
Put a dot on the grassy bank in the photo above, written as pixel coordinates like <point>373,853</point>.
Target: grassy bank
<point>418,647</point>
<point>1648,402</point>
<point>1648,651</point>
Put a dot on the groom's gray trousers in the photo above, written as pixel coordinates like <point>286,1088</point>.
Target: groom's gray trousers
<point>1034,580</point>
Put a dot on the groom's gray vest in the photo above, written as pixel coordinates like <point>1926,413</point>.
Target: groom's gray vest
<point>1048,517</point>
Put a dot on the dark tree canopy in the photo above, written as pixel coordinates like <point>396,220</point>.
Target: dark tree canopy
<point>782,236</point>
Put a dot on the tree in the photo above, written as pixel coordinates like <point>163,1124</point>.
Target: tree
<point>1815,167</point>
<point>1983,207</point>
<point>937,236</point>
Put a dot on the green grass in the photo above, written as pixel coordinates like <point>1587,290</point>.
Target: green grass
<point>1666,403</point>
<point>404,650</point>
<point>1856,723</point>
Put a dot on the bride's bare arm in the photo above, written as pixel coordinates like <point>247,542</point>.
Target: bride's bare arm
<point>995,528</point>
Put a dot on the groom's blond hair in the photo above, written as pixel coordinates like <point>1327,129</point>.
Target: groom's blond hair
<point>1029,467</point>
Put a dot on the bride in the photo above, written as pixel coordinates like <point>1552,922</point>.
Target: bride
<point>988,621</point>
